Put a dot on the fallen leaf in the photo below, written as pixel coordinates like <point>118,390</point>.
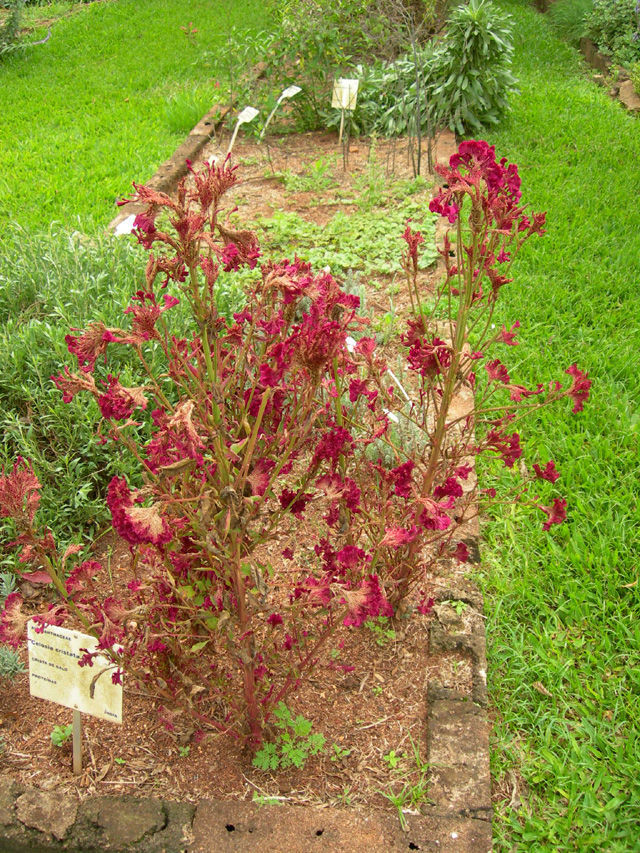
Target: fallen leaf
<point>539,686</point>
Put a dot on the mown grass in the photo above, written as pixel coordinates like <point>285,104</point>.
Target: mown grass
<point>107,98</point>
<point>563,608</point>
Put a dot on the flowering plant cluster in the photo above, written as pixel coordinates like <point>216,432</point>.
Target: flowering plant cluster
<point>280,430</point>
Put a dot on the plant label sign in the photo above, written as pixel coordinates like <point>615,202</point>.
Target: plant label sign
<point>54,673</point>
<point>345,94</point>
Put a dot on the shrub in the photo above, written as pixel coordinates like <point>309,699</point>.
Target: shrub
<point>469,79</point>
<point>261,433</point>
<point>613,25</point>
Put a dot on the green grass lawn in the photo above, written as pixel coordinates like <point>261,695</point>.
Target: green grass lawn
<point>563,609</point>
<point>107,99</point>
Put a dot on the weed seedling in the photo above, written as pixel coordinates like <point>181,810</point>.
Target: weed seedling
<point>381,632</point>
<point>339,754</point>
<point>293,745</point>
<point>61,734</point>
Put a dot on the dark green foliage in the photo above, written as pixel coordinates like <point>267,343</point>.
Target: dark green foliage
<point>469,80</point>
<point>613,25</point>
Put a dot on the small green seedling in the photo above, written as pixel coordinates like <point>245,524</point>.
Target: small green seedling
<point>184,751</point>
<point>339,753</point>
<point>393,759</point>
<point>61,734</point>
<point>379,628</point>
<point>459,606</point>
<point>293,745</point>
<point>120,760</point>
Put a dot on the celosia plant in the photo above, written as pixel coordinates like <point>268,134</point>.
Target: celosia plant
<point>282,426</point>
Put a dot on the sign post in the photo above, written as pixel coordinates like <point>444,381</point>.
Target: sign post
<point>289,92</point>
<point>54,675</point>
<point>248,114</point>
<point>344,98</point>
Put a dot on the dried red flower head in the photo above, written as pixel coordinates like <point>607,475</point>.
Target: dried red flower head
<point>19,492</point>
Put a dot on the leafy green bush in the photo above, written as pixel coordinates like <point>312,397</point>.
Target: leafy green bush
<point>634,76</point>
<point>569,17</point>
<point>613,25</point>
<point>469,80</point>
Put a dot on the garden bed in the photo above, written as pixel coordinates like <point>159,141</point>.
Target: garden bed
<point>386,709</point>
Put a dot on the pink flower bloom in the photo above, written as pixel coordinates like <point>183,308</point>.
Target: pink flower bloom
<point>366,602</point>
<point>556,513</point>
<point>396,537</point>
<point>293,502</point>
<point>509,337</point>
<point>119,402</point>
<point>506,446</point>
<point>580,386</point>
<point>450,488</point>
<point>332,445</point>
<point>82,576</point>
<point>274,619</point>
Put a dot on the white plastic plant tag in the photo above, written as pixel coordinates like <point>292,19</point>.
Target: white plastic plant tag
<point>345,94</point>
<point>126,226</point>
<point>289,92</point>
<point>248,114</point>
<point>54,673</point>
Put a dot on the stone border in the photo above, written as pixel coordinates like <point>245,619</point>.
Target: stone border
<point>623,90</point>
<point>457,817</point>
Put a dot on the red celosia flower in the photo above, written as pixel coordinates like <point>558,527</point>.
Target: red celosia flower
<point>274,619</point>
<point>550,472</point>
<point>413,239</point>
<point>509,337</point>
<point>332,445</point>
<point>396,537</point>
<point>580,386</point>
<point>366,602</point>
<point>294,502</point>
<point>12,620</point>
<point>134,523</point>
<point>403,478</point>
<point>450,488</point>
<point>506,446</point>
<point>19,492</point>
<point>497,371</point>
<point>82,576</point>
<point>556,513</point>
<point>119,402</point>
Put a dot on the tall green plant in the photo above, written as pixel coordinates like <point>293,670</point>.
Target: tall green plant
<point>469,80</point>
<point>10,30</point>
